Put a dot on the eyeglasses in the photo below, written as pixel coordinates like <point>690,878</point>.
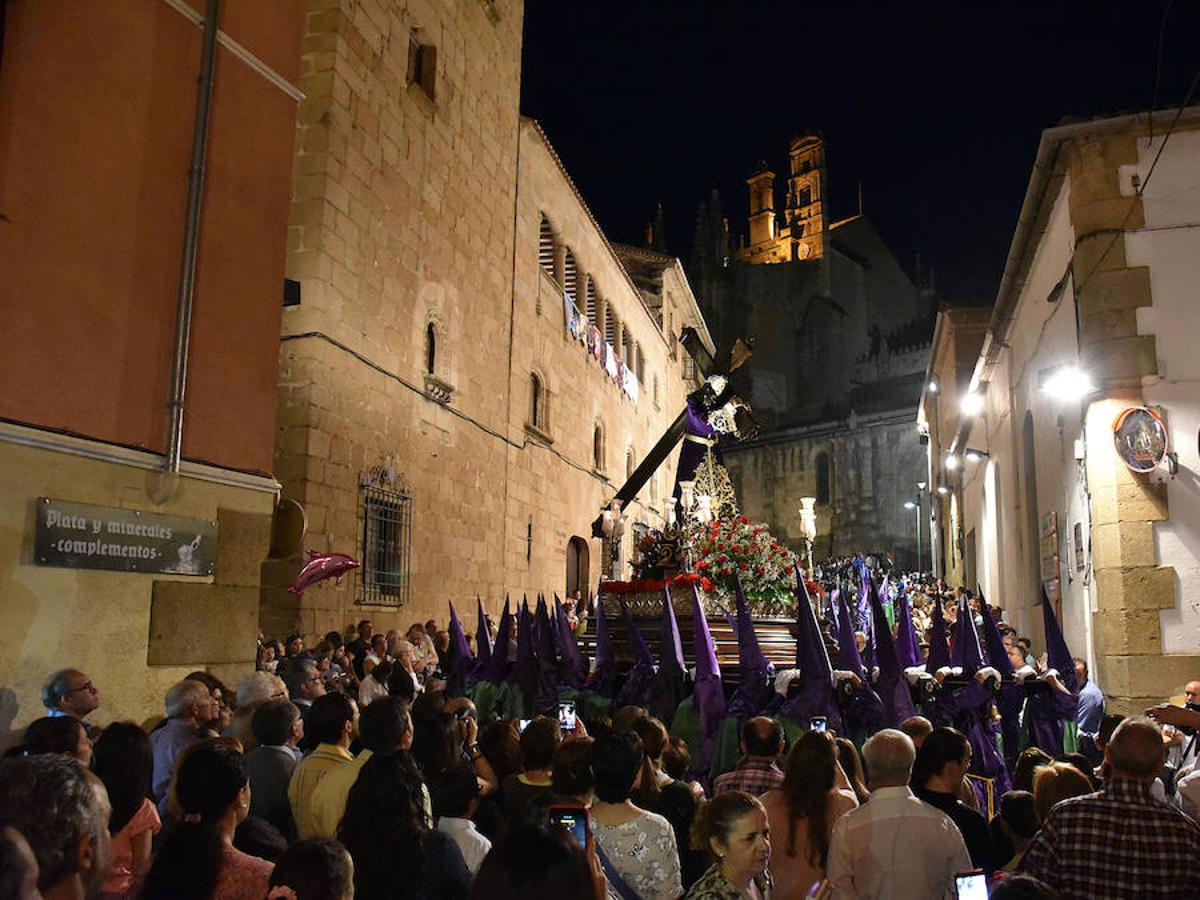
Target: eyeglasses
<point>86,686</point>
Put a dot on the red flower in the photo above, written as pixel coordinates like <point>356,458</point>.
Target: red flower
<point>760,570</point>
<point>722,559</point>
<point>787,570</point>
<point>743,520</point>
<point>743,566</point>
<point>702,565</point>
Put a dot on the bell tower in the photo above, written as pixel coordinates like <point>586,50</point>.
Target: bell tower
<point>762,206</point>
<point>805,210</point>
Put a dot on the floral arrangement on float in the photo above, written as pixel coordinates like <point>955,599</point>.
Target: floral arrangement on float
<point>766,568</point>
<point>715,551</point>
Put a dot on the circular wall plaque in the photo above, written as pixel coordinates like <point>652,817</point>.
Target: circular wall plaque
<point>1140,436</point>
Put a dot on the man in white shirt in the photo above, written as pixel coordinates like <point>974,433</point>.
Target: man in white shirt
<point>455,800</point>
<point>894,846</point>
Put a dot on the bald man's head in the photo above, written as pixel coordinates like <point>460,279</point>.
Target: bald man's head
<point>1135,750</point>
<point>889,756</point>
<point>762,737</point>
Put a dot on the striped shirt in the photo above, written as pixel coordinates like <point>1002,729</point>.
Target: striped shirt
<point>1117,842</point>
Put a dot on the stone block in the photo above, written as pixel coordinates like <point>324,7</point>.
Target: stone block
<point>1147,676</point>
<point>1136,588</point>
<point>1127,632</point>
<point>1123,544</point>
<point>1141,501</point>
<point>242,542</point>
<point>1122,360</point>
<point>1126,288</point>
<point>198,624</point>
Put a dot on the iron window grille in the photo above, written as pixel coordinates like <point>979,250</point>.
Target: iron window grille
<point>387,540</point>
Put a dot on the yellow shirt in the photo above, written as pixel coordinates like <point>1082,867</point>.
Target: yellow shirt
<point>329,797</point>
<point>309,774</point>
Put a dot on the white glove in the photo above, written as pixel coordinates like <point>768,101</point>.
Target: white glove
<point>913,674</point>
<point>1024,673</point>
<point>987,672</point>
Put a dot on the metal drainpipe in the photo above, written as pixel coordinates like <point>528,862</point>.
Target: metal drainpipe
<point>191,239</point>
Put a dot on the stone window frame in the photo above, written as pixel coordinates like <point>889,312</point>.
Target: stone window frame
<point>547,246</point>
<point>422,64</point>
<point>437,384</point>
<point>537,423</point>
<point>824,497</point>
<point>599,447</point>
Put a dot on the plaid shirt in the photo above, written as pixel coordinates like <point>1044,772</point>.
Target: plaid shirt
<point>754,775</point>
<point>1117,842</point>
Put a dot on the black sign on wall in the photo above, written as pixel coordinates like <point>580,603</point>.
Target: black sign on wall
<point>82,536</point>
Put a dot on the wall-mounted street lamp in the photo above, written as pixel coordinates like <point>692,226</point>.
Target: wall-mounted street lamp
<point>972,402</point>
<point>1066,383</point>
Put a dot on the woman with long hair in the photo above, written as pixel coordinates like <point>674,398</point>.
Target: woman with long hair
<point>124,761</point>
<point>852,768</point>
<point>802,814</point>
<point>385,830</point>
<point>197,859</point>
<point>658,792</point>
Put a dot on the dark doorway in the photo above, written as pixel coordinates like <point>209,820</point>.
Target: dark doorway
<point>577,567</point>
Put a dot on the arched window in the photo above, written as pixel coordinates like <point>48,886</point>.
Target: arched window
<point>656,391</point>
<point>598,448</point>
<point>630,463</point>
<point>640,363</point>
<point>546,247</point>
<point>537,401</point>
<point>824,478</point>
<point>589,309</point>
<point>627,346</point>
<point>430,348</point>
<point>570,274</point>
<point>610,326</point>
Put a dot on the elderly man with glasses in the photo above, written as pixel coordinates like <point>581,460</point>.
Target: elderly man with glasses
<point>69,692</point>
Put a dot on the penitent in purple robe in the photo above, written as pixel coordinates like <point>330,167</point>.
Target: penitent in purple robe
<point>817,695</point>
<point>1012,695</point>
<point>461,661</point>
<point>863,711</point>
<point>891,686</point>
<point>1047,709</point>
<point>692,451</point>
<point>969,709</point>
<point>708,695</point>
<point>757,675</point>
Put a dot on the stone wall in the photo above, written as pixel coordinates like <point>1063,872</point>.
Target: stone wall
<point>406,215</point>
<point>874,468</point>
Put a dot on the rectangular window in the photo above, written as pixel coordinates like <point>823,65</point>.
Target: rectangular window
<point>422,63</point>
<point>387,546</point>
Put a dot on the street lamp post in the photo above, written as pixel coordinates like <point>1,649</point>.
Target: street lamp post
<point>915,506</point>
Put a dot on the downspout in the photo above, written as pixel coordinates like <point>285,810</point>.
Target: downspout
<point>191,245</point>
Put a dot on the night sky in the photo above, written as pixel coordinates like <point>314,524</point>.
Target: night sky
<point>936,108</point>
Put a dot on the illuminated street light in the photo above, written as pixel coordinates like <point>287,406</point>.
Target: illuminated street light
<point>972,404</point>
<point>974,455</point>
<point>933,388</point>
<point>943,490</point>
<point>908,504</point>
<point>951,461</point>
<point>1066,383</point>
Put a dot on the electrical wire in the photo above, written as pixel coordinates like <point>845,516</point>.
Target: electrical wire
<point>1141,187</point>
<point>1162,33</point>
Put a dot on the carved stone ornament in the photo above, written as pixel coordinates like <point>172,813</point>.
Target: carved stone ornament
<point>385,477</point>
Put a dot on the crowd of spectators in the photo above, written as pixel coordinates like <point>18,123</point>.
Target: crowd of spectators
<point>346,769</point>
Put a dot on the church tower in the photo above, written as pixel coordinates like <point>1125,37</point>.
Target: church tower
<point>805,210</point>
<point>799,234</point>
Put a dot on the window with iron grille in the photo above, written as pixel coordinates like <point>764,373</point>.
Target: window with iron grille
<point>387,544</point>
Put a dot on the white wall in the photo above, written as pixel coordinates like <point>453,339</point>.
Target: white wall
<point>1170,245</point>
<point>1042,336</point>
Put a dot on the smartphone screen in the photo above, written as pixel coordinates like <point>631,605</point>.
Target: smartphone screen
<point>816,723</point>
<point>566,716</point>
<point>572,818</point>
<point>522,724</point>
<point>971,886</point>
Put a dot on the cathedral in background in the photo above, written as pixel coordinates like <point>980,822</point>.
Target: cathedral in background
<point>842,341</point>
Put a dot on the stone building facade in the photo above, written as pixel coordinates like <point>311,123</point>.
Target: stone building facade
<point>841,344</point>
<point>1100,281</point>
<point>440,415</point>
<point>91,245</point>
